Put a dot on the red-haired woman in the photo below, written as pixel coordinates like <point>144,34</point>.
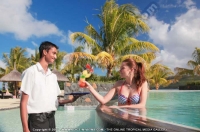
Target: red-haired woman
<point>132,92</point>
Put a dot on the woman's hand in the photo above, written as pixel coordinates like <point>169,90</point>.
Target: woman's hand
<point>88,85</point>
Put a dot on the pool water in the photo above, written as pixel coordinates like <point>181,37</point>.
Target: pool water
<point>80,119</point>
<point>179,107</point>
<point>172,106</point>
<point>66,120</point>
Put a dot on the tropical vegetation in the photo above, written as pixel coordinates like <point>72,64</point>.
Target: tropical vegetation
<point>158,75</point>
<point>114,41</point>
<point>16,59</point>
<point>194,64</point>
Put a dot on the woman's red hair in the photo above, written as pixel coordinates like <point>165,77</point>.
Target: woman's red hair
<point>139,71</point>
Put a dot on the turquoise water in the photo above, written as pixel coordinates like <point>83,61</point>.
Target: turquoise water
<point>175,107</point>
<point>171,106</point>
<point>66,121</point>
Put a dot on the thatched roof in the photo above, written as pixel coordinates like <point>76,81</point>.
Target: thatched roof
<point>60,77</point>
<point>13,76</point>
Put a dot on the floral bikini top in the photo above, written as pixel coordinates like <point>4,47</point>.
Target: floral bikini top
<point>128,100</point>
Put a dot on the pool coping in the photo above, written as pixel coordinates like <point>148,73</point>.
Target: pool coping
<point>1,109</point>
<point>6,104</point>
<point>137,123</point>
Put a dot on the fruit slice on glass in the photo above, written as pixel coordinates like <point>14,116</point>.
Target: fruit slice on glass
<point>81,82</point>
<point>86,74</point>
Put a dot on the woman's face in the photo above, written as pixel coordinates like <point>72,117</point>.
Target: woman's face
<point>125,71</point>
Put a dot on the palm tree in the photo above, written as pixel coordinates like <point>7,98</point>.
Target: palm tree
<point>15,60</point>
<point>194,64</point>
<point>157,75</point>
<point>59,60</point>
<point>76,62</point>
<point>35,58</point>
<point>115,38</point>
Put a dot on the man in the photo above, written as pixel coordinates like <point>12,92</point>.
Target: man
<point>39,90</point>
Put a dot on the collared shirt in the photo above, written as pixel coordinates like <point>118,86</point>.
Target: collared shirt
<point>42,89</point>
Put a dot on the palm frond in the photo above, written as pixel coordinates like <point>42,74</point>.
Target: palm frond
<point>104,59</point>
<point>84,39</point>
<point>79,56</point>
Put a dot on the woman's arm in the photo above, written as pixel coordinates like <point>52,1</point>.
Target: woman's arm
<point>143,98</point>
<point>102,99</point>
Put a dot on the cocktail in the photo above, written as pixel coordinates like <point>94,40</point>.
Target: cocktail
<point>85,74</point>
<point>81,82</point>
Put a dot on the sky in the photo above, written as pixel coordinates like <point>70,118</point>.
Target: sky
<point>174,25</point>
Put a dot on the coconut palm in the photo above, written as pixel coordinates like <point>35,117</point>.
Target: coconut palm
<point>59,61</point>
<point>36,57</point>
<point>115,37</point>
<point>15,60</point>
<point>157,75</point>
<point>194,64</point>
<point>76,61</point>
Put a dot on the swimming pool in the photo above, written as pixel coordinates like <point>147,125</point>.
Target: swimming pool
<point>180,107</point>
<point>80,119</point>
<point>175,106</point>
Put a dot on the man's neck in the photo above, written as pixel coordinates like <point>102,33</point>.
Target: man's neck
<point>44,65</point>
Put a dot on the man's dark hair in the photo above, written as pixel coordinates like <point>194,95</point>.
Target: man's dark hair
<point>46,45</point>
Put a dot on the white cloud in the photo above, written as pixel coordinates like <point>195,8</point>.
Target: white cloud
<point>2,64</point>
<point>16,19</point>
<point>184,4</point>
<point>189,4</point>
<point>170,60</point>
<point>178,39</point>
<point>35,44</point>
<point>30,52</point>
<point>69,40</point>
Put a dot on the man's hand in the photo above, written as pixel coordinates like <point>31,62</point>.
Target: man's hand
<point>75,97</point>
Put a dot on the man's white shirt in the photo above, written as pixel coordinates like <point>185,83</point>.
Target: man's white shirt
<point>42,89</point>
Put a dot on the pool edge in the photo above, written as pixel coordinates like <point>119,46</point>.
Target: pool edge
<point>115,120</point>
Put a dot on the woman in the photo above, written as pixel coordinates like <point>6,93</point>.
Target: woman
<point>132,92</point>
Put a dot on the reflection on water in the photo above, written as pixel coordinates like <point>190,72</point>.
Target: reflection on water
<point>138,115</point>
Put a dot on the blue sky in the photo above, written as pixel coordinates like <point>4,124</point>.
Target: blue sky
<point>174,25</point>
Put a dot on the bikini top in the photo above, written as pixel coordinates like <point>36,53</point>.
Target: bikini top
<point>128,100</point>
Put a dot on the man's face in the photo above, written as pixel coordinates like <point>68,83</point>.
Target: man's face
<point>50,56</point>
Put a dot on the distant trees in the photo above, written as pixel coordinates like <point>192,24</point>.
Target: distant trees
<point>16,59</point>
<point>194,64</point>
<point>158,75</point>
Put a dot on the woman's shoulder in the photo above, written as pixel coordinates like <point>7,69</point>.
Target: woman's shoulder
<point>145,85</point>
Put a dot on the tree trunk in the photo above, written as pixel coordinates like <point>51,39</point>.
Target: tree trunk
<point>73,79</point>
<point>157,86</point>
<point>15,89</point>
<point>109,70</point>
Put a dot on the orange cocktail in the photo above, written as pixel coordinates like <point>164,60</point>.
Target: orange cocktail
<point>85,74</point>
<point>81,83</point>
